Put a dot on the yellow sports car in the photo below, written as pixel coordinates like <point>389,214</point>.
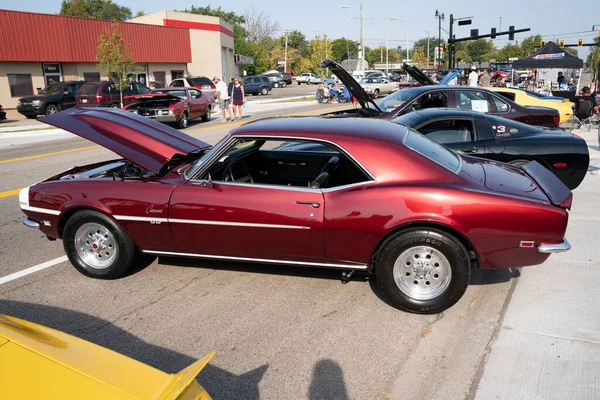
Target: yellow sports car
<point>527,98</point>
<point>41,363</point>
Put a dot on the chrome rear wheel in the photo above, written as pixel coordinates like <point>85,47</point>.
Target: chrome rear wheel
<point>422,273</point>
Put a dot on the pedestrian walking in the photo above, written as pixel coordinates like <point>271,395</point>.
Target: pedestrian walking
<point>485,78</point>
<point>223,98</point>
<point>473,77</point>
<point>238,98</point>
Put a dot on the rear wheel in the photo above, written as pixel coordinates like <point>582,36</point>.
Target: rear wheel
<point>97,246</point>
<point>52,109</point>
<point>276,84</point>
<point>263,91</point>
<point>114,105</point>
<point>207,115</point>
<point>299,83</point>
<point>423,271</point>
<point>283,84</point>
<point>183,121</point>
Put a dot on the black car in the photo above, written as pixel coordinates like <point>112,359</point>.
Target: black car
<point>287,78</point>
<point>431,95</point>
<point>276,79</point>
<point>2,113</point>
<point>256,84</point>
<point>53,98</point>
<point>500,139</point>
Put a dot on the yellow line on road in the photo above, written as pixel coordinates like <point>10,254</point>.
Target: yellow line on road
<point>9,193</point>
<point>54,153</point>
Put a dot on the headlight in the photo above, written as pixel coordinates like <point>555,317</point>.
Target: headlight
<point>36,102</point>
<point>18,103</point>
<point>170,112</point>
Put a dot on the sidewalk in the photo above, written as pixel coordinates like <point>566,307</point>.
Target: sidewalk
<point>548,346</point>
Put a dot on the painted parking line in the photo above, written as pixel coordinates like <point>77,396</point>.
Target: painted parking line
<point>54,153</point>
<point>32,270</point>
<point>9,193</point>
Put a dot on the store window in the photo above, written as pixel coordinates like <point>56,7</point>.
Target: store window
<point>160,79</point>
<point>20,85</point>
<point>91,76</point>
<point>176,74</point>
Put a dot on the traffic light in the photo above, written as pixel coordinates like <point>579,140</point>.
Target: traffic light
<point>511,32</point>
<point>580,42</point>
<point>444,47</point>
<point>561,43</point>
<point>542,43</point>
<point>493,36</point>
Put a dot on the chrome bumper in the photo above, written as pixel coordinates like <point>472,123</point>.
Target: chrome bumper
<point>31,223</point>
<point>554,247</point>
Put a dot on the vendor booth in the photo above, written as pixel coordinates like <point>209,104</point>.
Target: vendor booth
<point>552,56</point>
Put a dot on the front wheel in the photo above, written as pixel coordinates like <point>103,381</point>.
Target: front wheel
<point>52,109</point>
<point>376,93</point>
<point>283,84</point>
<point>299,83</point>
<point>183,121</point>
<point>206,116</point>
<point>97,246</point>
<point>424,271</point>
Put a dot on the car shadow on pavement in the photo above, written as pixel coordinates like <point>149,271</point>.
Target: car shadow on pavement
<point>327,381</point>
<point>219,383</point>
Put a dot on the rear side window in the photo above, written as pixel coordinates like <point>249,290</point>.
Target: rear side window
<point>501,105</point>
<point>257,79</point>
<point>266,80</point>
<point>177,83</point>
<point>433,151</point>
<point>89,89</point>
<point>508,95</point>
<point>449,131</point>
<point>199,81</point>
<point>108,89</point>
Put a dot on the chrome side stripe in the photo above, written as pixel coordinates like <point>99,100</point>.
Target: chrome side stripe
<point>225,223</point>
<point>40,210</point>
<point>140,219</point>
<point>258,260</point>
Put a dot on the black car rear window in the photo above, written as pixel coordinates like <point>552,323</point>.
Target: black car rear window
<point>434,151</point>
<point>89,88</point>
<point>200,81</point>
<point>505,128</point>
<point>265,79</point>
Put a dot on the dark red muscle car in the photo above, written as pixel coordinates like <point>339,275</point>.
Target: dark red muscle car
<point>351,194</point>
<point>173,105</point>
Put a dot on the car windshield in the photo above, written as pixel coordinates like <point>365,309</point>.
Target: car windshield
<point>200,81</point>
<point>179,93</point>
<point>434,151</point>
<point>52,88</point>
<point>395,100</point>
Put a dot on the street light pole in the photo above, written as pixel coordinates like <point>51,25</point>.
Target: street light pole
<point>386,46</point>
<point>405,27</point>
<point>440,17</point>
<point>361,51</point>
<point>427,32</point>
<point>285,56</point>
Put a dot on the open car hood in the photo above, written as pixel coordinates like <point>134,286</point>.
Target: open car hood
<point>353,86</point>
<point>424,80</point>
<point>143,141</point>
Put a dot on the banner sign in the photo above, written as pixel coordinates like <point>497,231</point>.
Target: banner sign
<point>549,56</point>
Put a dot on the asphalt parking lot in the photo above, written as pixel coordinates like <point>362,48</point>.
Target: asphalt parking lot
<point>279,332</point>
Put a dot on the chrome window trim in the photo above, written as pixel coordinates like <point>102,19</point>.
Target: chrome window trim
<point>259,260</point>
<point>225,143</point>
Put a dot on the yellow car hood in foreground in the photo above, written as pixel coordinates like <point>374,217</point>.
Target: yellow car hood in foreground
<point>41,363</point>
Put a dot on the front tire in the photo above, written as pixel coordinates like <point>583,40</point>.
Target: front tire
<point>183,121</point>
<point>423,271</point>
<point>52,109</point>
<point>207,115</point>
<point>376,93</point>
<point>98,247</point>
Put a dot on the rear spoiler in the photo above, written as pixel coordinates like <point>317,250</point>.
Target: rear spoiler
<point>557,192</point>
<point>180,381</point>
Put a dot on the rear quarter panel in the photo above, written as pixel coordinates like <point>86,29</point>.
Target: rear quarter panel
<point>357,220</point>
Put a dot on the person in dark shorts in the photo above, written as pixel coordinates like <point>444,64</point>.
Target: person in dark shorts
<point>238,98</point>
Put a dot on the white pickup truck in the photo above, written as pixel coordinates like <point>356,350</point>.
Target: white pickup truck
<point>307,78</point>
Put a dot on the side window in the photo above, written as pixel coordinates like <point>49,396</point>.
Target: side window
<point>472,100</point>
<point>501,105</point>
<point>72,89</point>
<point>195,94</point>
<point>510,96</point>
<point>108,89</point>
<point>247,81</point>
<point>265,80</point>
<point>141,89</point>
<point>431,100</point>
<point>449,131</point>
<point>177,83</point>
<point>257,79</point>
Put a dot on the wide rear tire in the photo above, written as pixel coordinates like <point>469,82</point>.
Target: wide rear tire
<point>97,246</point>
<point>423,271</point>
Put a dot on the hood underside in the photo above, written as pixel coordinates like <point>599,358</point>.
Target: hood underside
<point>353,86</point>
<point>143,141</point>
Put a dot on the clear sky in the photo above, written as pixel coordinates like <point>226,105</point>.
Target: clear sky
<point>553,19</point>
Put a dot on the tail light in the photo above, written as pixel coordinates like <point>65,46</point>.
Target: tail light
<point>556,120</point>
<point>98,98</point>
<point>213,87</point>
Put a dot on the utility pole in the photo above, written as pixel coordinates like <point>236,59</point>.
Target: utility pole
<point>427,32</point>
<point>440,17</point>
<point>450,43</point>
<point>386,47</point>
<point>285,56</point>
<point>361,50</point>
<point>500,27</point>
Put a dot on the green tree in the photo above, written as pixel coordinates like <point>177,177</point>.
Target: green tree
<point>115,59</point>
<point>480,49</point>
<point>342,49</point>
<point>528,45</point>
<point>100,9</point>
<point>423,43</point>
<point>462,52</point>
<point>297,40</point>
<point>510,51</point>
<point>419,57</point>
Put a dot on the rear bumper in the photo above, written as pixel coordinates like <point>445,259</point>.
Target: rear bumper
<point>554,247</point>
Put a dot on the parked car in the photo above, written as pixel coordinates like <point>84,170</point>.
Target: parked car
<point>563,153</point>
<point>105,94</point>
<point>307,78</point>
<point>256,84</point>
<point>435,96</point>
<point>53,98</point>
<point>277,80</point>
<point>173,105</point>
<point>354,195</point>
<point>74,368</point>
<point>527,98</point>
<point>2,113</point>
<point>199,82</point>
<point>287,78</point>
<point>376,86</point>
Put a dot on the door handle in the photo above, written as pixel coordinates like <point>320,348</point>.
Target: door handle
<point>314,204</point>
<point>469,150</point>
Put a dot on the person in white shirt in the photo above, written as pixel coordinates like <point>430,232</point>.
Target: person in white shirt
<point>223,98</point>
<point>473,76</point>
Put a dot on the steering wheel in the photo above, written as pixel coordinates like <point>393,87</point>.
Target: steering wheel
<point>243,167</point>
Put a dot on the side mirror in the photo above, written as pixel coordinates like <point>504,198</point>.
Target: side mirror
<point>207,182</point>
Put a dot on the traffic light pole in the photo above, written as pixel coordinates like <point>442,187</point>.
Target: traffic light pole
<point>450,47</point>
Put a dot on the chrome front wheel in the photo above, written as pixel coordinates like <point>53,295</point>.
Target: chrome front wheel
<point>96,245</point>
